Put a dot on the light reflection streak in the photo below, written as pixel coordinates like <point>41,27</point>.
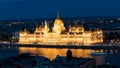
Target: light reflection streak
<point>52,53</point>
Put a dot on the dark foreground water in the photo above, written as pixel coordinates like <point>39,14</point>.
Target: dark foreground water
<point>113,56</point>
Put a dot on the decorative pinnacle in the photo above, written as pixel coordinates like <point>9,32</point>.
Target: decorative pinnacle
<point>36,25</point>
<point>58,15</point>
<point>45,22</point>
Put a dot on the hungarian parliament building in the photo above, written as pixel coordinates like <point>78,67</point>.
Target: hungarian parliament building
<point>75,35</point>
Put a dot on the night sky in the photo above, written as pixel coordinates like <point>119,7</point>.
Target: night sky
<point>15,9</point>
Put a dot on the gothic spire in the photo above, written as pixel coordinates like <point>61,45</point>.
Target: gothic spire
<point>58,15</point>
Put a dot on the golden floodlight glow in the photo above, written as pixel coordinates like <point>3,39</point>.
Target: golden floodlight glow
<point>76,35</point>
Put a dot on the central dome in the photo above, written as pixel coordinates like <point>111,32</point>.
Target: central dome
<point>58,25</point>
<point>58,21</point>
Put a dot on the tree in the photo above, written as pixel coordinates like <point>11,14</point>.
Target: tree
<point>5,36</point>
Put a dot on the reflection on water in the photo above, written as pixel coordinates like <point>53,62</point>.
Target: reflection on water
<point>112,57</point>
<point>53,52</point>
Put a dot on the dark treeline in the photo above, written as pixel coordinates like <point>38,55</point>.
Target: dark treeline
<point>114,36</point>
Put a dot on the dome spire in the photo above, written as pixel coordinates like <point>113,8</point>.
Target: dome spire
<point>58,15</point>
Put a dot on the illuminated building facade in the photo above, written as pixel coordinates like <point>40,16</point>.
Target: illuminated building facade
<point>76,35</point>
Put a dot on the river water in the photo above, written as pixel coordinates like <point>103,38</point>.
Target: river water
<point>112,57</point>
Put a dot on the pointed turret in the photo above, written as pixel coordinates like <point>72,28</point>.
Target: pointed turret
<point>46,28</point>
<point>90,29</point>
<point>45,24</point>
<point>36,25</point>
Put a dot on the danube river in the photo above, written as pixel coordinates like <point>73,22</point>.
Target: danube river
<point>107,56</point>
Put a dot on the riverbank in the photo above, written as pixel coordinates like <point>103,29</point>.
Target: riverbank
<point>95,46</point>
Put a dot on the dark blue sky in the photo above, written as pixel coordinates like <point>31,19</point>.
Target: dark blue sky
<point>15,9</point>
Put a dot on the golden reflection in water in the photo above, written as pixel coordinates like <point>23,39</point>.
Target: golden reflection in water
<point>53,52</point>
